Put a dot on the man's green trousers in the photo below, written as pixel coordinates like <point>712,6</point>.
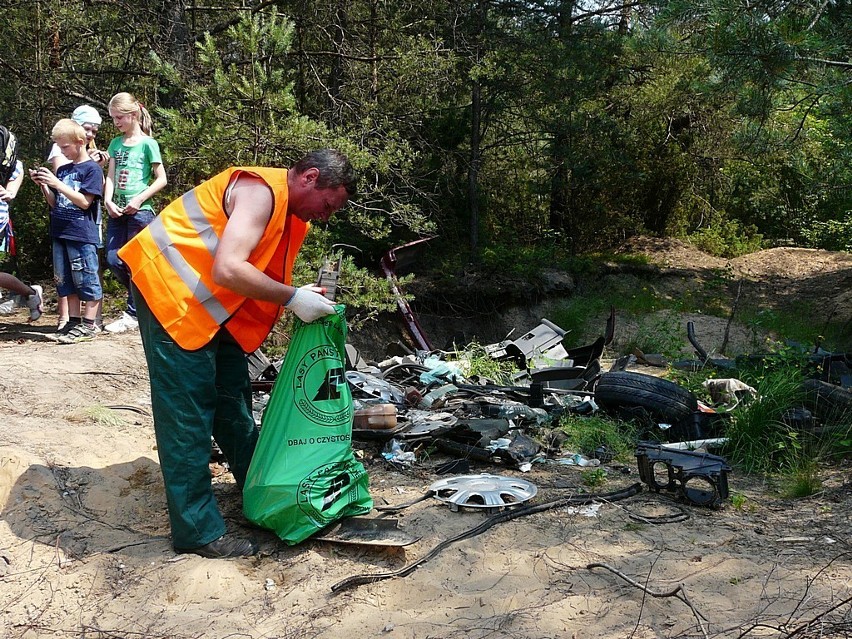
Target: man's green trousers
<point>196,394</point>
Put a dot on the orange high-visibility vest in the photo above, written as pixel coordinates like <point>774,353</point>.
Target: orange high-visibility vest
<point>171,262</point>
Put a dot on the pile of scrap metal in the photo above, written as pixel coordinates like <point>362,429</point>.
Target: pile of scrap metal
<point>426,398</point>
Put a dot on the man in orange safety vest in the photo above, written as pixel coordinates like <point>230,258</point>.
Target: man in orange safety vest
<point>210,276</point>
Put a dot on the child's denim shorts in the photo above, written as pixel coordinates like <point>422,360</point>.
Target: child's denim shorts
<point>75,269</point>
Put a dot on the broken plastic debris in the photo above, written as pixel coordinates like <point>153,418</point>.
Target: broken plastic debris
<point>577,459</point>
<point>589,510</point>
<point>728,392</point>
<point>440,371</point>
<point>501,443</point>
<point>393,453</point>
<point>430,398</point>
<point>795,540</point>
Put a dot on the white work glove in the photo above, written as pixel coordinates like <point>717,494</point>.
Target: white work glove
<point>309,305</point>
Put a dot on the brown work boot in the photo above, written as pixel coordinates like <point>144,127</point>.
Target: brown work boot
<point>224,547</point>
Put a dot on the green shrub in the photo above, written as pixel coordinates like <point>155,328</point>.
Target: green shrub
<point>595,477</point>
<point>831,235</point>
<point>727,238</point>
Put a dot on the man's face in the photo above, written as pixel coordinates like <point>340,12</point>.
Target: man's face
<point>320,204</point>
<point>309,203</point>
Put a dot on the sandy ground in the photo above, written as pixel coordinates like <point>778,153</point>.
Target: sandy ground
<point>84,548</point>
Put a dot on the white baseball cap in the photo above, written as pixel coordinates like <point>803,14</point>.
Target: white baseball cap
<point>85,114</point>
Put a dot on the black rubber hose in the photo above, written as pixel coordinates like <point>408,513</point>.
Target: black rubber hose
<point>506,515</point>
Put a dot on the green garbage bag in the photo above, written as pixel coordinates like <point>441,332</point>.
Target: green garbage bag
<point>303,475</point>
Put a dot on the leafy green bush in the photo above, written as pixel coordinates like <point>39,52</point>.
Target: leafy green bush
<point>831,235</point>
<point>727,238</point>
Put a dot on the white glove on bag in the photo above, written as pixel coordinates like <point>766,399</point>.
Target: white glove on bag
<point>308,305</point>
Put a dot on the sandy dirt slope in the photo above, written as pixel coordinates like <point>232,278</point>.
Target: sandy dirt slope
<point>84,548</point>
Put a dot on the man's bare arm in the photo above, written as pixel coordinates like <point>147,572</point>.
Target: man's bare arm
<point>250,210</point>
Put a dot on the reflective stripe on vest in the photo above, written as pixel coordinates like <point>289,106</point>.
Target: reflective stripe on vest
<point>171,263</point>
<point>187,274</point>
<point>199,222</point>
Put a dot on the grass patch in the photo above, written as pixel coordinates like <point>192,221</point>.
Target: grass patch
<point>97,414</point>
<point>659,333</point>
<point>758,439</point>
<point>630,259</point>
<point>586,434</point>
<point>794,325</point>
<point>802,481</point>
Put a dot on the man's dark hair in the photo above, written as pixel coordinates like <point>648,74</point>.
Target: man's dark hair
<point>334,169</point>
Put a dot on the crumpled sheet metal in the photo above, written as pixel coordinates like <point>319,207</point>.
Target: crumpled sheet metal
<point>375,387</point>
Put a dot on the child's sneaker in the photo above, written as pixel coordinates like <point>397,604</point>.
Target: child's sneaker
<point>65,327</point>
<point>124,323</point>
<point>33,302</point>
<point>80,333</point>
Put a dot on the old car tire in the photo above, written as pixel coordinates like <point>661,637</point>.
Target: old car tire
<point>827,401</point>
<point>663,399</point>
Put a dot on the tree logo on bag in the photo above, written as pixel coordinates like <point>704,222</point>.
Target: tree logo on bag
<point>320,390</point>
<point>329,489</point>
<point>334,380</point>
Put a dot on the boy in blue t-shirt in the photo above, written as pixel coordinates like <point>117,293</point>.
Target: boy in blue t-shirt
<point>74,195</point>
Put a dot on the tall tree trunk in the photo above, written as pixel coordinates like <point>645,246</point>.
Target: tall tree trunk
<point>475,159</point>
<point>177,43</point>
<point>335,76</point>
<point>624,21</point>
<point>299,50</point>
<point>475,162</point>
<point>374,65</point>
<point>561,213</point>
